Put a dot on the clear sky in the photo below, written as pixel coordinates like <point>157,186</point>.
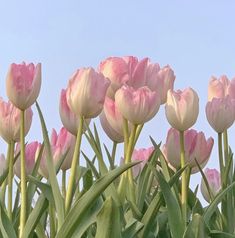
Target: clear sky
<point>196,38</point>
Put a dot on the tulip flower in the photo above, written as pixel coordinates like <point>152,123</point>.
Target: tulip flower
<point>86,92</point>
<point>182,108</point>
<point>220,88</point>
<point>137,106</point>
<point>31,153</point>
<point>60,143</point>
<point>69,119</point>
<point>10,121</point>
<point>23,84</point>
<point>141,155</point>
<point>3,164</point>
<point>214,182</point>
<point>196,147</point>
<point>220,113</point>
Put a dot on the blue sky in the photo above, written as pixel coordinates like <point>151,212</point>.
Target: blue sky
<point>195,37</point>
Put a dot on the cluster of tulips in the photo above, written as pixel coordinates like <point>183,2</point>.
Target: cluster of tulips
<point>145,193</point>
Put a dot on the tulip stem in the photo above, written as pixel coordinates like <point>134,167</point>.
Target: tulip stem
<point>184,179</point>
<point>64,183</point>
<point>113,154</point>
<point>23,185</point>
<point>225,137</point>
<point>75,164</point>
<point>221,161</point>
<point>10,178</point>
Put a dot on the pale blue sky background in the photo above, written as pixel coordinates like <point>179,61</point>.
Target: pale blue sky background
<point>197,38</point>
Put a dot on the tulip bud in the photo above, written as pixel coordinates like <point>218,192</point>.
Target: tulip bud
<point>137,106</point>
<point>196,147</point>
<point>23,84</point>
<point>10,121</point>
<point>31,154</point>
<point>69,119</point>
<point>220,113</point>
<point>3,164</point>
<point>86,92</point>
<point>213,179</point>
<point>182,108</point>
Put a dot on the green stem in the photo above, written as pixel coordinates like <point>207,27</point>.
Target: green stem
<point>10,178</point>
<point>225,137</point>
<point>22,174</point>
<point>113,154</point>
<point>138,131</point>
<point>52,220</point>
<point>64,183</point>
<point>75,163</point>
<point>184,179</point>
<point>221,161</point>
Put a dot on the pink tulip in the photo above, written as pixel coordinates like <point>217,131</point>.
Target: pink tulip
<point>23,84</point>
<point>221,87</point>
<point>182,108</point>
<point>86,92</point>
<point>60,144</point>
<point>213,179</point>
<point>220,113</point>
<point>10,121</point>
<point>3,164</point>
<point>137,106</point>
<point>196,147</point>
<point>141,155</point>
<point>68,118</point>
<point>31,153</point>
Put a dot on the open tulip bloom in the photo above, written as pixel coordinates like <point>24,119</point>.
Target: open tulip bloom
<point>55,188</point>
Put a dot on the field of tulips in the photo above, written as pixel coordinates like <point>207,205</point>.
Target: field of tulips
<point>144,194</point>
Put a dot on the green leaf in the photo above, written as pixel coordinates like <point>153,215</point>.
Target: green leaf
<point>132,228</point>
<point>174,212</point>
<point>75,216</point>
<point>6,226</point>
<point>108,220</point>
<point>220,234</point>
<point>213,205</point>
<point>59,202</point>
<point>196,228</point>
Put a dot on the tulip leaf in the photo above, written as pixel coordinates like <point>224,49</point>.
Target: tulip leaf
<point>213,205</point>
<point>6,226</point>
<point>108,220</point>
<point>174,211</point>
<point>220,234</point>
<point>75,216</point>
<point>132,228</point>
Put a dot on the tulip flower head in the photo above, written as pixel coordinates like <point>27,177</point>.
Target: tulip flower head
<point>213,179</point>
<point>10,121</point>
<point>86,92</point>
<point>182,108</point>
<point>23,84</point>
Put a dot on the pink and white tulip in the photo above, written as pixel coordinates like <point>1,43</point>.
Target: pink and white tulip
<point>213,179</point>
<point>31,153</point>
<point>137,106</point>
<point>60,143</point>
<point>23,84</point>
<point>69,119</point>
<point>10,121</point>
<point>196,147</point>
<point>221,87</point>
<point>86,92</point>
<point>220,113</point>
<point>182,108</point>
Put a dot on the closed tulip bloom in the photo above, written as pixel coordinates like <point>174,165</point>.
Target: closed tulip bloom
<point>86,92</point>
<point>220,113</point>
<point>23,84</point>
<point>31,153</point>
<point>137,106</point>
<point>221,87</point>
<point>196,147</point>
<point>3,164</point>
<point>141,155</point>
<point>182,108</point>
<point>10,121</point>
<point>213,179</point>
<point>69,119</point>
<point>60,143</point>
